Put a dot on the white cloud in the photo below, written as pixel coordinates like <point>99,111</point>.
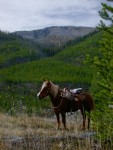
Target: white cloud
<point>34,14</point>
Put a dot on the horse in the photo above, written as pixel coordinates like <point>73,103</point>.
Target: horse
<point>62,104</point>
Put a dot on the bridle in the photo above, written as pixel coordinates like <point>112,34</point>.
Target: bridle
<point>48,90</point>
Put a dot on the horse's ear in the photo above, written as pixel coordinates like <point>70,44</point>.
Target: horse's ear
<point>48,81</point>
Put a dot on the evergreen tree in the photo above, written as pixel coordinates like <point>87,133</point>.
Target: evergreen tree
<point>102,85</point>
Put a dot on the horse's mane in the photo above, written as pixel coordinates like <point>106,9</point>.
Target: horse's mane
<point>54,89</point>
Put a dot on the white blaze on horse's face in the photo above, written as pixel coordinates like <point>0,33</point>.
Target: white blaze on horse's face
<point>44,90</point>
<point>38,94</point>
<point>43,85</point>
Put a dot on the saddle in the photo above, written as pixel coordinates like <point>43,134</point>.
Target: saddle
<point>71,94</point>
<point>76,91</point>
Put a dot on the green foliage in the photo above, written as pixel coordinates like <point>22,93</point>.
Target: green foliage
<point>14,49</point>
<point>16,98</point>
<point>102,85</point>
<point>76,54</point>
<point>105,12</point>
<point>61,69</point>
<point>57,71</point>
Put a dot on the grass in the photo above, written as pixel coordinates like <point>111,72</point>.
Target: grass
<point>21,102</point>
<point>33,132</point>
<point>34,127</point>
<point>15,102</point>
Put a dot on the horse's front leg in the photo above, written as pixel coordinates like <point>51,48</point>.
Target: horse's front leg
<point>58,119</point>
<point>63,114</point>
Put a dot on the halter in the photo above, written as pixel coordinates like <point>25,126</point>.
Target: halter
<point>48,89</point>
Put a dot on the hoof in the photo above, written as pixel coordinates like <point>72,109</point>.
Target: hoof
<point>83,129</point>
<point>59,128</point>
<point>66,129</point>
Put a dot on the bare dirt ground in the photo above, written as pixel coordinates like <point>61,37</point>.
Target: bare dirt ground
<point>40,133</point>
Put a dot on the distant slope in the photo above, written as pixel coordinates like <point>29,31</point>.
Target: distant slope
<point>56,71</point>
<point>14,49</point>
<point>76,54</point>
<point>65,67</point>
<point>56,35</point>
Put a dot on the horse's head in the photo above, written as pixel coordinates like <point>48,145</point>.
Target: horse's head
<point>46,86</point>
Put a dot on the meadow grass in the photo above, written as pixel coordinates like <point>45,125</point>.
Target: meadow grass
<point>22,132</point>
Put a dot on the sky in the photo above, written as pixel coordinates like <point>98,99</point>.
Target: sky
<point>19,15</point>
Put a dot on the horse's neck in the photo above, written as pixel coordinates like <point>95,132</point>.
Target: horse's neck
<point>54,90</point>
<point>54,95</point>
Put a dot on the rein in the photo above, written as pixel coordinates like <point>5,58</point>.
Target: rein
<point>57,107</point>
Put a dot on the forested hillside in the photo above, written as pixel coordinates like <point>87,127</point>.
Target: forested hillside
<point>69,57</point>
<point>66,65</point>
<point>55,70</point>
<point>56,36</point>
<point>76,54</point>
<point>15,49</point>
<point>24,65</point>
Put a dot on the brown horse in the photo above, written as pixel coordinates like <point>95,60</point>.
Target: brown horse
<point>62,104</point>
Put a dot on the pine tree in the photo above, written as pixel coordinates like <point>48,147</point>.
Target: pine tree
<point>102,85</point>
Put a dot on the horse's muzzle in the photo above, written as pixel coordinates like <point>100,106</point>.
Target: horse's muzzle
<point>39,97</point>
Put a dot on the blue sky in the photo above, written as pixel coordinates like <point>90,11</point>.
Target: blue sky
<point>16,15</point>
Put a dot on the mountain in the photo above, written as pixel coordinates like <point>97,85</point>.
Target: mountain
<point>22,60</point>
<point>68,66</point>
<point>14,50</point>
<point>76,53</point>
<point>55,35</point>
<point>24,65</point>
